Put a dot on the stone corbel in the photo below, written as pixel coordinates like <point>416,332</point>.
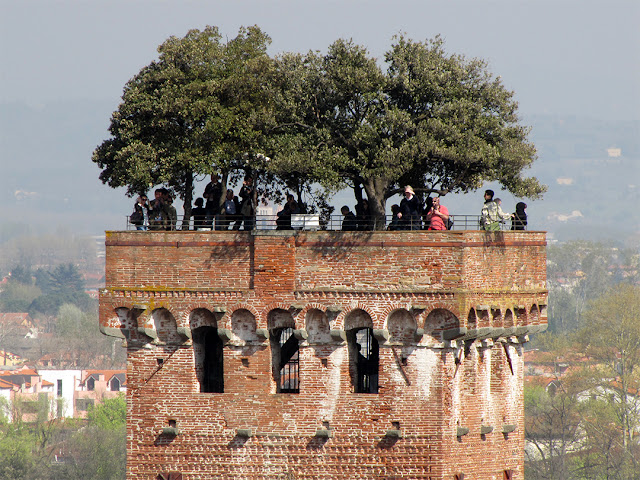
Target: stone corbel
<point>339,336</point>
<point>454,333</point>
<point>225,335</point>
<point>301,334</point>
<point>112,331</point>
<point>262,334</point>
<point>382,335</point>
<point>185,332</point>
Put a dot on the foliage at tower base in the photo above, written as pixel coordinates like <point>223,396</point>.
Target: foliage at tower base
<point>584,423</point>
<point>439,122</point>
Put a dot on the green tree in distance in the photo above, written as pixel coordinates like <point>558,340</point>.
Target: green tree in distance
<point>612,337</point>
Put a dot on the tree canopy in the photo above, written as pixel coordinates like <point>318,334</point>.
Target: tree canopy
<point>193,111</point>
<point>439,122</point>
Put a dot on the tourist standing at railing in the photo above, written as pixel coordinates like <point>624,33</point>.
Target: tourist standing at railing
<point>437,215</point>
<point>230,212</point>
<point>199,214</point>
<point>395,220</point>
<point>283,221</point>
<point>248,204</point>
<point>410,210</point>
<point>140,215</point>
<point>491,214</point>
<point>363,215</point>
<point>172,214</point>
<point>158,213</point>
<point>349,221</point>
<point>212,194</point>
<point>519,217</point>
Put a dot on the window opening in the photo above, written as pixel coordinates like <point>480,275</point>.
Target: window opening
<point>288,380</point>
<point>212,380</point>
<point>59,387</point>
<point>365,348</point>
<point>508,475</point>
<point>115,384</point>
<point>91,384</point>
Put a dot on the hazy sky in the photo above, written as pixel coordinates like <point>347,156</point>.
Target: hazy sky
<point>560,56</point>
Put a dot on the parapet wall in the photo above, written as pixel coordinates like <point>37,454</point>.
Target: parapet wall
<point>451,311</point>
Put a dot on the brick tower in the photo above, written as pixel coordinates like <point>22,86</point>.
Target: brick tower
<point>324,355</point>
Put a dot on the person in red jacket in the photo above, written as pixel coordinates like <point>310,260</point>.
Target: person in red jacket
<point>437,215</point>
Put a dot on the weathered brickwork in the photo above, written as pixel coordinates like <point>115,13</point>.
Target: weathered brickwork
<point>450,311</point>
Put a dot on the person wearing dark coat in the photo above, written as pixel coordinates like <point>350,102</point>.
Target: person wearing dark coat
<point>199,214</point>
<point>519,217</point>
<point>349,222</point>
<point>410,210</point>
<point>365,220</point>
<point>283,221</point>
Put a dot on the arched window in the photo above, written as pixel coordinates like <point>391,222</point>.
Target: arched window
<point>286,354</point>
<point>364,352</point>
<point>91,384</point>
<point>209,359</point>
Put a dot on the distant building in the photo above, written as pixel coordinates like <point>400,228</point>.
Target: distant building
<point>70,393</point>
<point>614,152</point>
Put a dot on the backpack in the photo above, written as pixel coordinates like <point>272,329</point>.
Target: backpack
<point>449,223</point>
<point>136,218</point>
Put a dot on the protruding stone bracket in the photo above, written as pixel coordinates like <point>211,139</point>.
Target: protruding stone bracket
<point>149,332</point>
<point>112,332</point>
<point>382,335</point>
<point>486,429</point>
<point>507,428</point>
<point>394,433</point>
<point>454,333</point>
<point>225,335</point>
<point>471,335</point>
<point>323,433</point>
<point>301,334</point>
<point>462,431</point>
<point>339,336</point>
<point>170,431</point>
<point>185,332</point>
<point>244,432</point>
<point>262,334</point>
<point>497,332</point>
<point>533,329</point>
<point>484,333</point>
<point>508,331</point>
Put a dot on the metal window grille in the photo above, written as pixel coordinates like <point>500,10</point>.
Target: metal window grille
<point>289,374</point>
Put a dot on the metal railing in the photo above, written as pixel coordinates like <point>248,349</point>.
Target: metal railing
<point>305,222</point>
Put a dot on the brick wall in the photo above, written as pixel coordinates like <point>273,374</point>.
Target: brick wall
<point>440,386</point>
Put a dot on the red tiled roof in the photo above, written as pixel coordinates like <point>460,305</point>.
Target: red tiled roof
<point>5,384</point>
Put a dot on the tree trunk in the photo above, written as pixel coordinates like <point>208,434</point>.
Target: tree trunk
<point>188,199</point>
<point>375,189</point>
